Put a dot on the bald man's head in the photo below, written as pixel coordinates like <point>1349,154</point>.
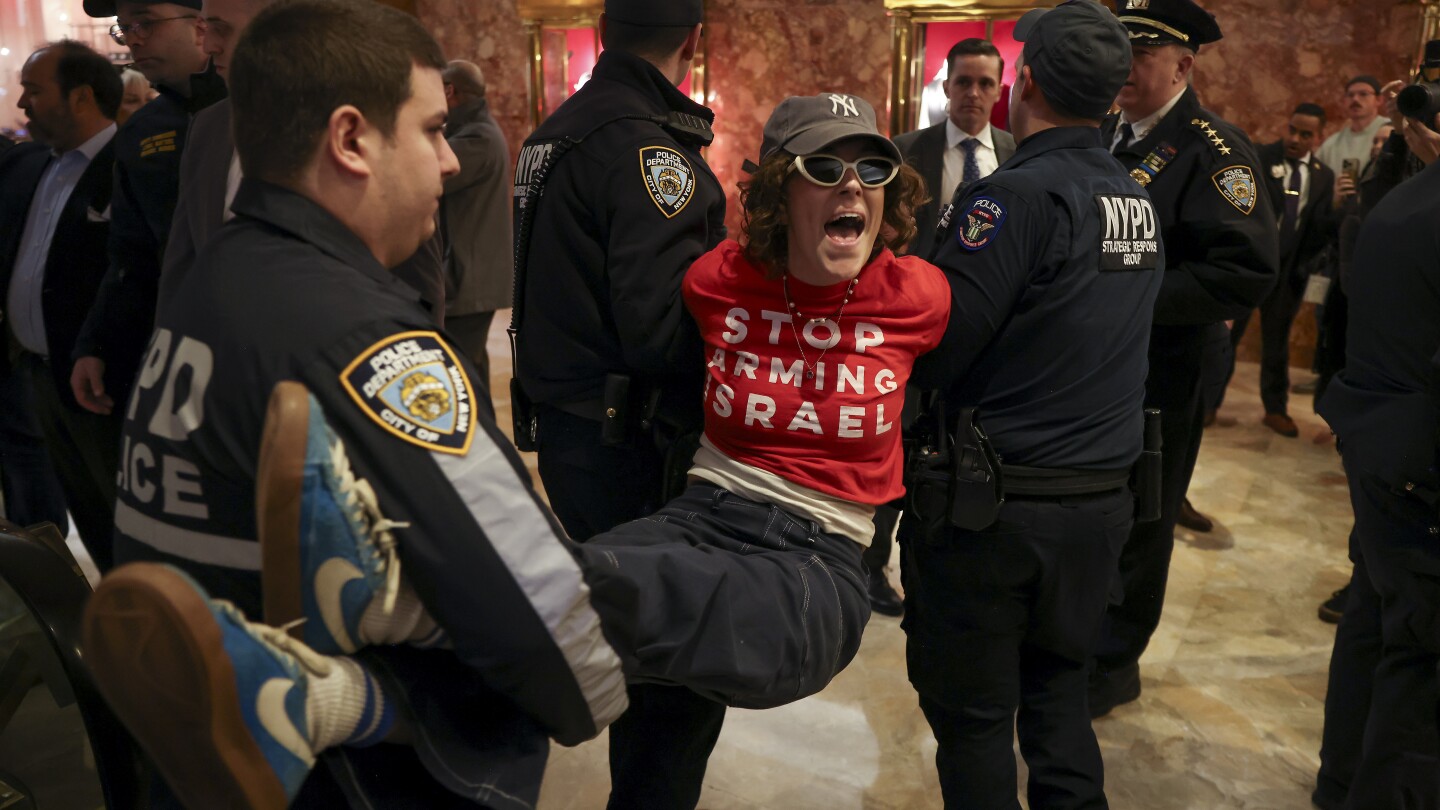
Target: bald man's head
<point>464,82</point>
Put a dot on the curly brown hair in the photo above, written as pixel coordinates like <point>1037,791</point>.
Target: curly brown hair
<point>765,218</point>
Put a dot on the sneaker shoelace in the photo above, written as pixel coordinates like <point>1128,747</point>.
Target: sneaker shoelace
<point>279,638</point>
<point>364,507</point>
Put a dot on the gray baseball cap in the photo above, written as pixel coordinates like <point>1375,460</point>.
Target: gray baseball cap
<point>1079,54</point>
<point>804,125</point>
<point>655,13</point>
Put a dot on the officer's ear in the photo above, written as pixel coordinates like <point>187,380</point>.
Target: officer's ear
<point>1024,83</point>
<point>349,141</point>
<point>1184,65</point>
<point>692,44</point>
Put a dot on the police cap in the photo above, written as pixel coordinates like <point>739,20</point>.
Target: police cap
<point>106,8</point>
<point>1078,53</point>
<point>804,125</point>
<point>655,13</point>
<point>1168,22</point>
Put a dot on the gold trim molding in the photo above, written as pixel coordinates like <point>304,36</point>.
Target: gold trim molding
<point>908,19</point>
<point>538,15</point>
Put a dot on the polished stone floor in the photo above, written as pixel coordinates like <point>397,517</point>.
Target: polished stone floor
<point>1234,680</point>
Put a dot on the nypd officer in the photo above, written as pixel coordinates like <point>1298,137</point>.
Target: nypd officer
<point>1222,255</point>
<point>163,41</point>
<point>603,333</point>
<point>1385,410</point>
<point>1054,264</point>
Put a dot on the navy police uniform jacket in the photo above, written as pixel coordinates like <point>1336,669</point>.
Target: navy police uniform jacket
<point>147,184</point>
<point>1221,241</point>
<point>623,215</point>
<point>1385,405</point>
<point>288,293</point>
<point>1054,263</point>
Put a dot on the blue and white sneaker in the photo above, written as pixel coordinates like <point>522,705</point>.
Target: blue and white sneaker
<point>224,707</point>
<point>329,555</point>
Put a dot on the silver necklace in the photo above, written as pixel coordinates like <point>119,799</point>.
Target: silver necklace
<point>797,315</point>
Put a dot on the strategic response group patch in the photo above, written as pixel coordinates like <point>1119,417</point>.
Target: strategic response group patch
<point>983,218</point>
<point>1237,186</point>
<point>668,177</point>
<point>412,385</point>
<point>1130,240</point>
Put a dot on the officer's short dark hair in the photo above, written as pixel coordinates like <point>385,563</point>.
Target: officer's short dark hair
<point>299,60</point>
<point>972,47</point>
<point>766,222</point>
<point>1306,108</point>
<point>1365,79</point>
<point>647,41</point>
<point>80,66</point>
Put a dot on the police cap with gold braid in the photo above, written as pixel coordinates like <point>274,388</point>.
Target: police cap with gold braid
<point>1168,22</point>
<point>655,13</point>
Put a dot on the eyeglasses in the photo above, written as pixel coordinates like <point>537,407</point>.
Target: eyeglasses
<point>140,28</point>
<point>828,170</point>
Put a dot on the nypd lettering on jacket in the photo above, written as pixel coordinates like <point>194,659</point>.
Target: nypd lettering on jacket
<point>527,167</point>
<point>180,368</point>
<point>1131,237</point>
<point>413,386</point>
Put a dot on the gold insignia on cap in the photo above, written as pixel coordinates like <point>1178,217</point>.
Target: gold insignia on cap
<point>1149,23</point>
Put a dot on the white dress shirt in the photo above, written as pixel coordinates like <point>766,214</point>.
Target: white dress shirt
<point>1142,127</point>
<point>27,280</point>
<point>985,157</point>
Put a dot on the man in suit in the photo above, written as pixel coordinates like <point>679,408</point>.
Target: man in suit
<point>54,227</point>
<point>964,147</point>
<point>210,171</point>
<point>1301,190</point>
<point>1221,259</point>
<point>475,213</point>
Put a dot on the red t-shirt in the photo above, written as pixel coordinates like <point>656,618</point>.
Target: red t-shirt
<point>838,432</point>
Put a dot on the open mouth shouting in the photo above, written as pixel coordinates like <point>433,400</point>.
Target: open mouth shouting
<point>846,229</point>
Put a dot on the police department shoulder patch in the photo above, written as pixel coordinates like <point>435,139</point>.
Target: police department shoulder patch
<point>983,218</point>
<point>668,177</point>
<point>1237,186</point>
<point>412,385</point>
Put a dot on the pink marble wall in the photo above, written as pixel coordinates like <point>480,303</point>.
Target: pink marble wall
<point>760,51</point>
<point>490,34</point>
<point>1275,54</point>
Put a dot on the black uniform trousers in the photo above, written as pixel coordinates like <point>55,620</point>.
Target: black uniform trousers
<point>85,449</point>
<point>1173,386</point>
<point>1000,625</point>
<point>660,746</point>
<point>1381,747</point>
<point>1277,316</point>
<point>30,488</point>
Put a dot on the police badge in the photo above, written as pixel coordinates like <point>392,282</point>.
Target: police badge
<point>668,177</point>
<point>412,385</point>
<point>1237,185</point>
<point>983,218</point>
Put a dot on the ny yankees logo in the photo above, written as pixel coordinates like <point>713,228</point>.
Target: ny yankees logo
<point>845,104</point>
